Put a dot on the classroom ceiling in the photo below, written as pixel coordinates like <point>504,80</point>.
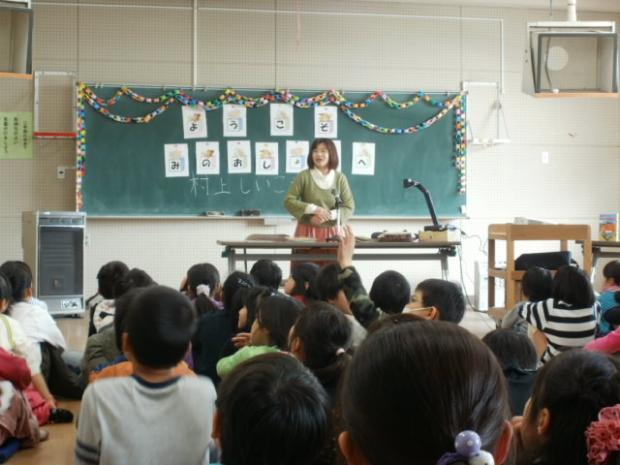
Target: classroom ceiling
<point>558,5</point>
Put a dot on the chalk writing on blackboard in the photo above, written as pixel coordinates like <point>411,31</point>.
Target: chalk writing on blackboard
<point>212,186</point>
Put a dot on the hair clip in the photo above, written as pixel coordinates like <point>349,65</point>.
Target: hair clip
<point>203,289</point>
<point>601,434</point>
<point>468,449</point>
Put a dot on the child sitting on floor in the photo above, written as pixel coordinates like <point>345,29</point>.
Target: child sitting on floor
<point>536,285</point>
<point>148,417</point>
<point>607,299</point>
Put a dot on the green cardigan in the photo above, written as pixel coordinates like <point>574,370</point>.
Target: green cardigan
<point>304,191</point>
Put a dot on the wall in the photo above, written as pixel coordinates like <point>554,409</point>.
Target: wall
<point>399,50</point>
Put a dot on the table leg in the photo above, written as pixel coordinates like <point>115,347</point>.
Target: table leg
<point>444,265</point>
<point>491,279</point>
<point>231,260</point>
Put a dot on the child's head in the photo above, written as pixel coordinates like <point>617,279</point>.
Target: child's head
<point>246,303</point>
<point>412,388</point>
<point>20,278</point>
<point>390,320</point>
<point>133,279</point>
<point>568,394</point>
<point>275,317</point>
<point>321,336</point>
<point>439,300</point>
<point>611,273</point>
<point>390,291</point>
<point>512,349</point>
<point>329,287</point>
<point>121,310</point>
<point>160,325</point>
<point>203,282</point>
<point>271,411</point>
<point>301,281</point>
<point>267,273</point>
<point>236,280</point>
<point>572,286</point>
<point>537,283</point>
<point>108,277</point>
<point>5,293</point>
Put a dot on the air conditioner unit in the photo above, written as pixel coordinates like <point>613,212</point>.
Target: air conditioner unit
<point>53,245</point>
<point>571,58</point>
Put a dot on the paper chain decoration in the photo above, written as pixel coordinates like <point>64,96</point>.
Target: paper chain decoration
<point>231,96</point>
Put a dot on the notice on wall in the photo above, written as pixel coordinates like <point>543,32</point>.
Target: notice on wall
<point>16,135</point>
<point>208,157</point>
<point>266,154</point>
<point>296,155</point>
<point>235,121</point>
<point>326,121</point>
<point>281,117</point>
<point>239,156</point>
<point>363,158</point>
<point>177,160</point>
<point>194,122</point>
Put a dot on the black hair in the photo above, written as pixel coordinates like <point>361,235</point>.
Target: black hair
<point>160,324</point>
<point>334,161</point>
<point>393,320</point>
<point>327,283</point>
<point>390,291</point>
<point>574,386</point>
<point>267,273</point>
<point>612,271</point>
<point>325,334</point>
<point>250,299</point>
<point>537,284</point>
<point>207,274</point>
<point>429,380</point>
<point>446,296</point>
<point>5,289</point>
<point>108,276</point>
<point>272,411</point>
<point>304,275</point>
<point>572,285</point>
<point>121,310</point>
<point>277,314</point>
<point>134,278</point>
<point>20,278</point>
<point>512,349</point>
<point>234,281</point>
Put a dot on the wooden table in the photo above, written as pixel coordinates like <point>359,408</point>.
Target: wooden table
<point>236,251</point>
<point>510,233</point>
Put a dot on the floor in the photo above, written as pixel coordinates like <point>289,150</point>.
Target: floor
<point>58,449</point>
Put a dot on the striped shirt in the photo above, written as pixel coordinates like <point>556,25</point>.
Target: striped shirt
<point>564,326</point>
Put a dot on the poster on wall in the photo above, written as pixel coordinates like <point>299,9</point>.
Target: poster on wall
<point>296,155</point>
<point>235,120</point>
<point>207,157</point>
<point>239,156</point>
<point>281,116</point>
<point>177,160</point>
<point>194,122</point>
<point>363,161</point>
<point>266,154</point>
<point>15,135</point>
<point>326,121</point>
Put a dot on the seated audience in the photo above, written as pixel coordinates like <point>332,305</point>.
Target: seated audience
<point>569,393</point>
<point>149,417</point>
<point>415,388</point>
<point>607,298</point>
<point>568,319</point>
<point>438,299</point>
<point>267,273</point>
<point>275,317</point>
<point>536,285</point>
<point>300,284</point>
<point>102,313</point>
<point>390,292</point>
<point>271,411</point>
<point>517,356</point>
<point>203,288</point>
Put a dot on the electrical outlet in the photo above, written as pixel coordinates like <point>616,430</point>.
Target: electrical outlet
<point>60,172</point>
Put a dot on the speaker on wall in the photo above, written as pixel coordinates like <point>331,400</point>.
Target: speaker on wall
<point>53,244</point>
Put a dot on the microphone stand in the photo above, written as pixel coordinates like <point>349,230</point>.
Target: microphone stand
<point>407,183</point>
<point>338,203</point>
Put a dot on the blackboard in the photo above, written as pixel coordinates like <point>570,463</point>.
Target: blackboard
<point>125,170</point>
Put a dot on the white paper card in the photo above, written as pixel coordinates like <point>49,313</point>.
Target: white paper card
<point>177,160</point>
<point>326,121</point>
<point>235,120</point>
<point>296,155</point>
<point>266,154</point>
<point>194,122</point>
<point>207,157</point>
<point>281,116</point>
<point>239,156</point>
<point>363,158</point>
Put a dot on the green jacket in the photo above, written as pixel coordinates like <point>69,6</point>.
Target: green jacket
<point>364,310</point>
<point>226,364</point>
<point>304,191</point>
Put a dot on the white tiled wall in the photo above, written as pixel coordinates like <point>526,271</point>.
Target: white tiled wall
<point>350,45</point>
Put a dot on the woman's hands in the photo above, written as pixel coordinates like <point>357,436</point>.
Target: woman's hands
<point>320,216</point>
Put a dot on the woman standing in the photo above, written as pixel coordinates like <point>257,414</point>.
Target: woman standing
<point>312,195</point>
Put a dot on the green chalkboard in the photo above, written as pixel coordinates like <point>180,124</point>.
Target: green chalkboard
<point>125,163</point>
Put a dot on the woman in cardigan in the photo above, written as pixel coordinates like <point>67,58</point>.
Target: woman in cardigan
<point>312,195</point>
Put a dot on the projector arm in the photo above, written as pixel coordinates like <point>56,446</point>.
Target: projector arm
<point>407,183</point>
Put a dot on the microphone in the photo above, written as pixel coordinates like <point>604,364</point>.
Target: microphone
<point>337,198</point>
